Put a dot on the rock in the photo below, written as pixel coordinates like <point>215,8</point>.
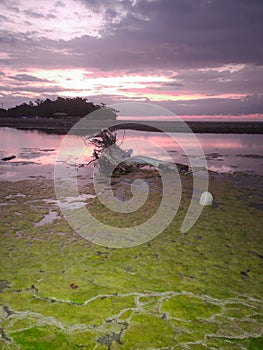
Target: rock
<point>8,158</point>
<point>206,198</point>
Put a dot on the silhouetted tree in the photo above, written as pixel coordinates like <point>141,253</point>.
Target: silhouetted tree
<point>77,106</point>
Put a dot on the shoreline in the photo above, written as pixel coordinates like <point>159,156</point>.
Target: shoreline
<point>63,126</point>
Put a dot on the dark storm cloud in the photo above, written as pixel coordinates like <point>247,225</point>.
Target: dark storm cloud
<point>35,89</point>
<point>170,34</point>
<point>11,5</point>
<point>34,14</point>
<point>28,23</point>
<point>251,104</point>
<point>16,41</point>
<point>24,50</point>
<point>213,82</point>
<point>102,6</point>
<point>27,77</point>
<point>59,4</point>
<point>182,33</point>
<point>39,15</point>
<point>177,38</point>
<point>4,19</point>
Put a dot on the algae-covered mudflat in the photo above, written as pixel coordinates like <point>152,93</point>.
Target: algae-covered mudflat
<point>196,290</point>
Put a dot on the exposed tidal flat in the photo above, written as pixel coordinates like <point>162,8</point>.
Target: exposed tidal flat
<point>64,125</point>
<point>196,290</point>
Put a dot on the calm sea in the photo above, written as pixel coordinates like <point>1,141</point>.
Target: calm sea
<point>36,153</point>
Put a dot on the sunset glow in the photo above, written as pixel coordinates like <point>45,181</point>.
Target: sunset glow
<point>125,51</point>
<point>78,82</point>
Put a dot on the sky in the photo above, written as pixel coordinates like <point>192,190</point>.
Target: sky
<point>194,57</point>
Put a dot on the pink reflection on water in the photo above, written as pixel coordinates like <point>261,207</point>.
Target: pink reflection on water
<point>37,147</point>
<point>36,153</point>
<point>29,145</point>
<point>209,142</point>
<point>223,152</point>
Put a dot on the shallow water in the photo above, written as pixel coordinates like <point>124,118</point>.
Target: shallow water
<point>36,152</point>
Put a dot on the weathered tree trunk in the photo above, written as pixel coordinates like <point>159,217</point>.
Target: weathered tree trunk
<point>111,158</point>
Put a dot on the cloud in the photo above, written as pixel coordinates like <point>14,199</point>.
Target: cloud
<point>158,35</point>
<point>11,5</point>
<point>206,47</point>
<point>34,14</point>
<point>27,77</point>
<point>243,80</point>
<point>31,89</point>
<point>179,33</point>
<point>59,4</point>
<point>251,104</point>
<point>4,19</point>
<point>39,15</point>
<point>105,5</point>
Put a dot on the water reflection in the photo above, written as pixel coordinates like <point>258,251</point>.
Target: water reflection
<point>36,152</point>
<point>224,152</point>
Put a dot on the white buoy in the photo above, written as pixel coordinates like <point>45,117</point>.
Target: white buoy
<point>206,198</point>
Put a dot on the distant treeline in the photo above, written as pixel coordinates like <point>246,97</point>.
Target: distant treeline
<point>61,107</point>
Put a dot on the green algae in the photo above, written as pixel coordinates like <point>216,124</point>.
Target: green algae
<point>40,338</point>
<point>199,290</point>
<point>189,308</point>
<point>148,331</point>
<point>232,343</point>
<point>49,338</point>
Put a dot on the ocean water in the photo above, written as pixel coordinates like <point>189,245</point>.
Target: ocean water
<point>36,153</point>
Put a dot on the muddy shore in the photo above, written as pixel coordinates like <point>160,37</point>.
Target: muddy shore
<point>62,126</point>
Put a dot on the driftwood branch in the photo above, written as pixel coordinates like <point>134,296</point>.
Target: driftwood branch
<point>109,157</point>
